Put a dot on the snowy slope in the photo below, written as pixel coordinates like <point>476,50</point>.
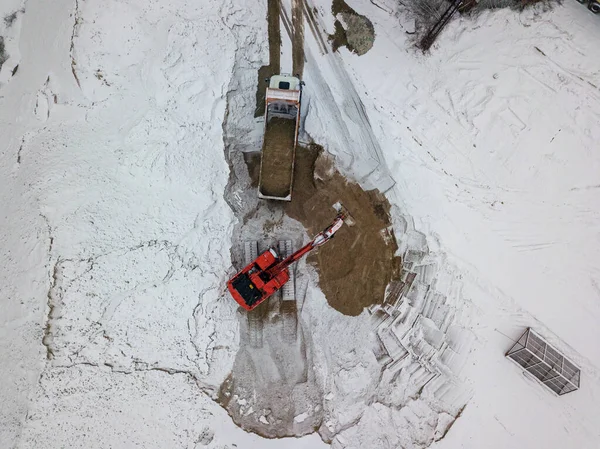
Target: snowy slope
<point>490,141</point>
<point>493,154</point>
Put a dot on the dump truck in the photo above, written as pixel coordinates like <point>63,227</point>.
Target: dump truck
<point>282,119</point>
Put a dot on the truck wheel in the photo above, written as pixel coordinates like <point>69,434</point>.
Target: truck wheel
<point>594,7</point>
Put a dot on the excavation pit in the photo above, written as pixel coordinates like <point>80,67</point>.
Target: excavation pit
<point>356,266</point>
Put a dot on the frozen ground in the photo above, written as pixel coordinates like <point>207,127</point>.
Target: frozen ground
<point>115,234</point>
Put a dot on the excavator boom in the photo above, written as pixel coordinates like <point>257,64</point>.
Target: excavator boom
<point>320,239</point>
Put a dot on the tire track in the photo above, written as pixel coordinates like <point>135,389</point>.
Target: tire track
<point>298,37</point>
<point>356,136</point>
<point>314,28</point>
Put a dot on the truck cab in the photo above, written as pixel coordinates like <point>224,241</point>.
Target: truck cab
<point>285,82</point>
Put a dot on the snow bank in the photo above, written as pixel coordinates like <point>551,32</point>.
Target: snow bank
<point>116,232</point>
<point>489,141</point>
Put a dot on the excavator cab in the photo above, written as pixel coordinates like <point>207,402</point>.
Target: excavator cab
<point>257,281</point>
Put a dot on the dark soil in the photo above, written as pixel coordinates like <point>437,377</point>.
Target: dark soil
<point>340,6</point>
<point>338,38</point>
<point>359,35</point>
<point>357,265</point>
<point>3,54</point>
<point>278,157</point>
<point>252,160</point>
<point>266,71</point>
<point>10,19</point>
<point>298,37</point>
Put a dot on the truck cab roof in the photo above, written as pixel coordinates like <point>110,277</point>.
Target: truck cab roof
<point>284,82</point>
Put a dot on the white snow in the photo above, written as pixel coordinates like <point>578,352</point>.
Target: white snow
<point>301,417</point>
<point>146,409</point>
<point>490,140</point>
<point>115,231</point>
<point>115,234</point>
<point>493,155</point>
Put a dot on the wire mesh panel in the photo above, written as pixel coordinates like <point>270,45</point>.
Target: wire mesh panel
<point>545,363</point>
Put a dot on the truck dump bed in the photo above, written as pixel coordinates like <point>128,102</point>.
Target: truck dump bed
<point>280,138</point>
<point>277,164</point>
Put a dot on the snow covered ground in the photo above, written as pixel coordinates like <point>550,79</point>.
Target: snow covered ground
<point>115,233</point>
<point>490,141</point>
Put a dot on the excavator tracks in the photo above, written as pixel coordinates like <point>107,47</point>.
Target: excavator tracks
<point>255,317</point>
<point>288,298</point>
<point>282,303</point>
<point>250,251</point>
<point>286,250</point>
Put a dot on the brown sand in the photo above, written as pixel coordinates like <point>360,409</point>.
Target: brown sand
<point>356,266</point>
<point>278,158</point>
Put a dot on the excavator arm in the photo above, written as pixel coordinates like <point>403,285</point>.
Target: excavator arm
<point>320,239</point>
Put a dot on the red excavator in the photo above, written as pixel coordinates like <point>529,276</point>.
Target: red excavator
<point>268,273</point>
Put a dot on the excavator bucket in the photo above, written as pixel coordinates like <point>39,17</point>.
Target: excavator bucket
<point>348,219</point>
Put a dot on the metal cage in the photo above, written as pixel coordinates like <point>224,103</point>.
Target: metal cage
<point>545,363</point>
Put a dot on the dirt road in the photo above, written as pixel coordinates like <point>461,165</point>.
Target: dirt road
<point>298,37</point>
<point>266,71</point>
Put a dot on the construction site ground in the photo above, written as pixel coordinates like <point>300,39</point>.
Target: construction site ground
<point>278,157</point>
<point>272,389</point>
<point>356,266</point>
<point>126,169</point>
